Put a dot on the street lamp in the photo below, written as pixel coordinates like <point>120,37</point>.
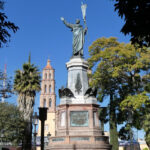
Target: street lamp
<point>35,122</point>
<point>42,117</point>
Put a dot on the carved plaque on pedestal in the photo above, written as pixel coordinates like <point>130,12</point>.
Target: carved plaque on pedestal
<point>79,119</point>
<point>63,119</point>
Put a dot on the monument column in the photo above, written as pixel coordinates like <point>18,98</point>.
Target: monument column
<point>77,76</point>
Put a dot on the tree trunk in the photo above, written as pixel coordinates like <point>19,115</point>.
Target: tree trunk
<point>28,137</point>
<point>26,107</point>
<point>113,126</point>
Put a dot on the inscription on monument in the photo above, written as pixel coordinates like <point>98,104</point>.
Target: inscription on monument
<point>79,118</point>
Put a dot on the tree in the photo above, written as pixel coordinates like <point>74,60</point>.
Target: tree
<point>124,133</point>
<point>26,84</point>
<point>137,19</point>
<point>5,86</point>
<point>117,74</point>
<point>5,27</point>
<point>12,124</point>
<point>140,104</point>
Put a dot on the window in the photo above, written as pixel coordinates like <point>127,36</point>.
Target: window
<point>49,88</point>
<point>49,76</point>
<point>44,103</point>
<point>45,88</point>
<point>45,75</point>
<point>50,102</point>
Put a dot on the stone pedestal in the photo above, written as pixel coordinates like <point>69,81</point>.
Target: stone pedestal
<point>77,70</point>
<point>77,123</point>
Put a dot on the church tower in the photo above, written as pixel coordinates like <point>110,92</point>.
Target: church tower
<point>48,99</point>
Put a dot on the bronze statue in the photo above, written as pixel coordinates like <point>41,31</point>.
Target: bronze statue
<point>78,36</point>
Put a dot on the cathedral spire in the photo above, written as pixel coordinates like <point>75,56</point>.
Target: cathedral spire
<point>48,66</point>
<point>48,62</point>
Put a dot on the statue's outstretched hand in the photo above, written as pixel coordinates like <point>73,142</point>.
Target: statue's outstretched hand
<point>62,18</point>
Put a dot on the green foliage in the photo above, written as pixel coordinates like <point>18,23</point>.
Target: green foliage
<point>27,80</point>
<point>12,124</point>
<point>124,133</point>
<point>136,16</point>
<point>5,27</point>
<point>145,149</point>
<point>135,101</point>
<point>121,74</point>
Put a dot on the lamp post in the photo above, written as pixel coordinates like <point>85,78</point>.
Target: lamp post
<point>35,122</point>
<point>42,117</point>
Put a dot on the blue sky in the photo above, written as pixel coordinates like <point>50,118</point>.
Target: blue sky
<point>44,35</point>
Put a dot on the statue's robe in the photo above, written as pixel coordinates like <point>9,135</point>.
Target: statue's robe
<point>78,39</point>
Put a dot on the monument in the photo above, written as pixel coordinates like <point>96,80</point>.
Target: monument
<point>77,123</point>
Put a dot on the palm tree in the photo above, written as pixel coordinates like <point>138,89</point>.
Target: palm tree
<point>26,84</point>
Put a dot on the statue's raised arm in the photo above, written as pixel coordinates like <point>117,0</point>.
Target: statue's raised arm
<point>78,36</point>
<point>66,23</point>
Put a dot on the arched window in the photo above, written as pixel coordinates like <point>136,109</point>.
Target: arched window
<point>44,103</point>
<point>45,75</point>
<point>49,76</point>
<point>45,89</point>
<point>50,103</point>
<point>49,88</point>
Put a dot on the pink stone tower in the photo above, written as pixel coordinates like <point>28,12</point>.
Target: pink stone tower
<point>48,99</point>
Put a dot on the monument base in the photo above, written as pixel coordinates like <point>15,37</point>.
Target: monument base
<point>78,129</point>
<point>79,143</point>
<point>77,117</point>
